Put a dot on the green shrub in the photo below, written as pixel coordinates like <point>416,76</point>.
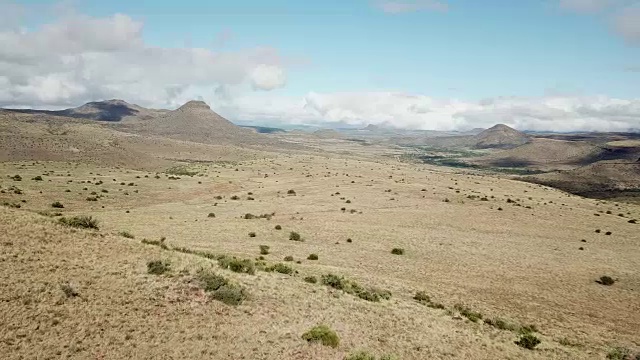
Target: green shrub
<point>252,234</point>
<point>126,234</point>
<point>158,267</point>
<point>280,268</point>
<point>619,353</point>
<point>264,250</point>
<point>422,297</point>
<point>334,281</point>
<point>371,294</point>
<point>288,258</point>
<point>234,264</point>
<point>468,313</point>
<point>295,236</point>
<point>37,178</point>
<point>500,324</point>
<point>312,257</point>
<point>230,294</point>
<point>82,221</point>
<point>209,281</point>
<point>397,251</point>
<point>360,355</point>
<point>291,192</point>
<point>322,334</point>
<point>57,204</point>
<point>92,198</point>
<point>606,280</point>
<point>278,227</point>
<point>528,341</point>
<point>311,279</point>
<point>16,178</point>
<point>211,215</point>
<point>235,197</point>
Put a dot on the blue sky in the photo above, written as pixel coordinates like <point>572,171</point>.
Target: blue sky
<point>458,50</point>
<point>476,49</point>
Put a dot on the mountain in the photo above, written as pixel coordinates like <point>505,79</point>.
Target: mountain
<point>113,110</point>
<point>371,127</point>
<point>195,121</point>
<point>500,136</point>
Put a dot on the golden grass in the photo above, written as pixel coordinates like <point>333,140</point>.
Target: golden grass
<point>521,264</point>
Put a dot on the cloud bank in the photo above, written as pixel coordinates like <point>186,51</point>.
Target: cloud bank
<point>411,111</point>
<point>78,58</point>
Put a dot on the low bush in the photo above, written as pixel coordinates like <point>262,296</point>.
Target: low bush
<point>295,236</point>
<point>311,279</point>
<point>528,341</point>
<point>606,280</point>
<point>312,257</point>
<point>82,221</point>
<point>264,250</point>
<point>468,313</point>
<point>244,266</point>
<point>126,234</point>
<point>397,251</point>
<point>57,204</point>
<point>280,268</point>
<point>322,334</point>
<point>158,267</point>
<point>230,294</point>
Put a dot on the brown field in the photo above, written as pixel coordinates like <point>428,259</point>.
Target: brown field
<point>515,256</point>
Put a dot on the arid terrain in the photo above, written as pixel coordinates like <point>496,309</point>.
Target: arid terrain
<point>210,241</point>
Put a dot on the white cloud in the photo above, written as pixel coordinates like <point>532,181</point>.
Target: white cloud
<point>268,77</point>
<point>397,7</point>
<point>586,6</point>
<point>401,110</point>
<point>78,58</point>
<point>627,24</point>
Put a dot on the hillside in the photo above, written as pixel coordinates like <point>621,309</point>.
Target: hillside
<point>500,136</point>
<point>108,110</point>
<point>196,122</point>
<point>613,176</point>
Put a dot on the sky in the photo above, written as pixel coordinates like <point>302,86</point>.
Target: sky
<point>559,65</point>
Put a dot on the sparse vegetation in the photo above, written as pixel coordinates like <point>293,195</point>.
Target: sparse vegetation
<point>82,221</point>
<point>322,334</point>
<point>280,268</point>
<point>606,280</point>
<point>311,279</point>
<point>264,250</point>
<point>353,288</point>
<point>220,288</point>
<point>295,236</point>
<point>278,227</point>
<point>252,234</point>
<point>312,257</point>
<point>158,267</point>
<point>473,316</point>
<point>234,264</point>
<point>397,251</point>
<point>126,234</point>
<point>528,341</point>
<point>57,205</point>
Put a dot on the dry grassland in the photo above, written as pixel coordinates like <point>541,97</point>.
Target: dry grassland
<point>518,254</point>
